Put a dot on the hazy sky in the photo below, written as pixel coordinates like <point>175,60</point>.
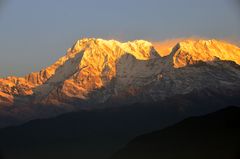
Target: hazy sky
<point>35,33</point>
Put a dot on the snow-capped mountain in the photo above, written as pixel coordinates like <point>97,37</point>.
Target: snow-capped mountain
<point>97,71</point>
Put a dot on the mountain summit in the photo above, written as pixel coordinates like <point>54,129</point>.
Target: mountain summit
<point>97,71</point>
<point>86,66</point>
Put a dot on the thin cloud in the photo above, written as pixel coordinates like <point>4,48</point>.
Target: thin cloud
<point>165,47</point>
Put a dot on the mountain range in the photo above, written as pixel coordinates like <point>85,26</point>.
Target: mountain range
<point>97,73</point>
<point>104,93</point>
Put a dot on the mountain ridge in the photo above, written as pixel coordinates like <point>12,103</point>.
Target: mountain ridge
<point>97,71</point>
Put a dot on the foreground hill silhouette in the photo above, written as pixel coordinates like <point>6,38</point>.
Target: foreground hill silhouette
<point>97,133</point>
<point>213,136</point>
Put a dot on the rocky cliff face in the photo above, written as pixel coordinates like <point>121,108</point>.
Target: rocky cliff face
<point>101,71</point>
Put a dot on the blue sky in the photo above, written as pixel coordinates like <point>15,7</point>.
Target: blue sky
<point>35,33</point>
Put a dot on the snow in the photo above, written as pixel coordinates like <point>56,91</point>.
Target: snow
<point>112,68</point>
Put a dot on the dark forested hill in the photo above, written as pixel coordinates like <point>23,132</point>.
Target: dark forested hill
<point>216,135</point>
